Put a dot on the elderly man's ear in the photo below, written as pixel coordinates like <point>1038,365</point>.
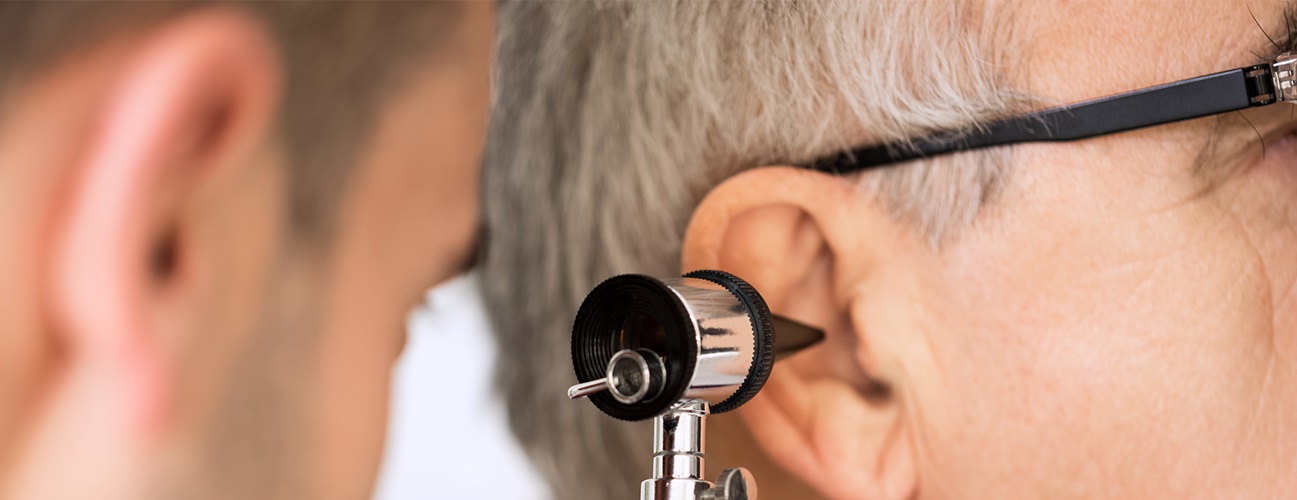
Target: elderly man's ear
<point>821,253</point>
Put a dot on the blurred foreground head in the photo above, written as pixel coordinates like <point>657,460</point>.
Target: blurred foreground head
<point>1112,317</point>
<point>215,220</point>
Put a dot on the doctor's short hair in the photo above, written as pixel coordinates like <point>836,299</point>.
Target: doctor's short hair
<point>612,120</point>
<point>341,60</point>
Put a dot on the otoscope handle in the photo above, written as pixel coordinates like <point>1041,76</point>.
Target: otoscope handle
<point>679,460</point>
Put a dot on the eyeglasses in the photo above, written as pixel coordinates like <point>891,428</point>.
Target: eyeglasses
<point>1236,89</point>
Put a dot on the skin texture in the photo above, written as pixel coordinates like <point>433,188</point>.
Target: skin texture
<point>1119,323</point>
<point>162,334</point>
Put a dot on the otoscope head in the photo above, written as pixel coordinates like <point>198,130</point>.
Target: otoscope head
<point>641,344</point>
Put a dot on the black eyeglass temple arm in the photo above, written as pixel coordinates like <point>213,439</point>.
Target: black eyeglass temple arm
<point>1217,93</point>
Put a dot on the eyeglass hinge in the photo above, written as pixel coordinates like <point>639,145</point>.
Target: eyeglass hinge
<point>1261,84</point>
<point>1283,77</point>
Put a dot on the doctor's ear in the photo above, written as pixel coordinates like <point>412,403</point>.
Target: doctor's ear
<point>169,210</point>
<point>821,253</point>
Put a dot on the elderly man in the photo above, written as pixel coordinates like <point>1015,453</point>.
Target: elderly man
<point>215,218</point>
<point>1109,317</point>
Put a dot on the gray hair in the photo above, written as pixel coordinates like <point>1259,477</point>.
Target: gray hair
<point>612,121</point>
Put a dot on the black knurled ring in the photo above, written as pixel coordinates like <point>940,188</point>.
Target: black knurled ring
<point>763,336</point>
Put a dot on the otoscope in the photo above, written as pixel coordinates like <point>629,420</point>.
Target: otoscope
<point>676,350</point>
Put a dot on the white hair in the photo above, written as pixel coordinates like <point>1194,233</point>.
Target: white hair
<point>613,119</point>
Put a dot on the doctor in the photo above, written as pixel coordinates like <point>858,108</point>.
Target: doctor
<point>214,219</point>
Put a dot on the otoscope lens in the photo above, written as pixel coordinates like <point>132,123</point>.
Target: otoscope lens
<point>628,377</point>
<point>635,376</point>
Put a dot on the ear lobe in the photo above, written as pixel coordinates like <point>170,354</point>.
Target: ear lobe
<point>193,100</point>
<point>810,244</point>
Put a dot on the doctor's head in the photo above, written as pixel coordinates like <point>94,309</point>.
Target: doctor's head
<point>215,218</point>
<point>1108,317</point>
